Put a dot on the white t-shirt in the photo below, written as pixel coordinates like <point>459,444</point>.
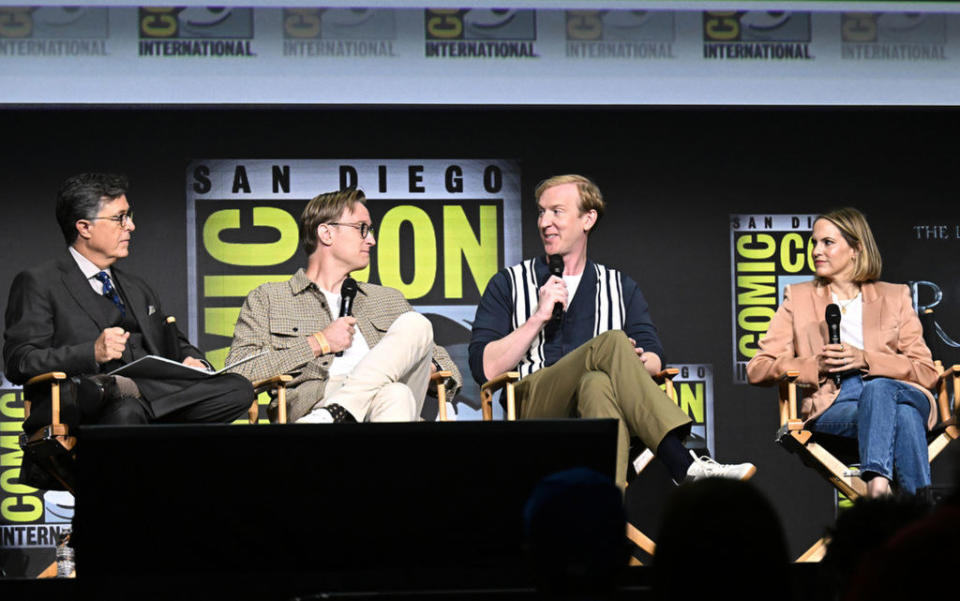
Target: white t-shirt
<point>572,282</point>
<point>341,366</point>
<point>851,320</point>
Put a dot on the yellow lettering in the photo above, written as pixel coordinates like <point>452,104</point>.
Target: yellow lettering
<point>859,27</point>
<point>302,22</point>
<point>742,345</point>
<point>8,410</point>
<point>480,255</point>
<point>217,357</point>
<point>16,21</point>
<point>792,252</point>
<point>445,23</point>
<point>237,285</point>
<point>158,22</point>
<point>584,24</point>
<point>756,246</point>
<point>760,290</point>
<point>755,319</point>
<point>424,251</point>
<point>21,509</point>
<point>691,399</point>
<point>761,266</point>
<point>220,320</point>
<point>12,488</point>
<point>252,254</point>
<point>723,25</point>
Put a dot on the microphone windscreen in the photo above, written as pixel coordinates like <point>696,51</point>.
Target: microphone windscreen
<point>349,288</point>
<point>556,265</point>
<point>833,314</point>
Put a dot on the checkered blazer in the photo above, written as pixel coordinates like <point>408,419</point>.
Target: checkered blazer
<point>278,317</point>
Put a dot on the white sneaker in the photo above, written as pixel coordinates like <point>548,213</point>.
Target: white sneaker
<point>704,467</point>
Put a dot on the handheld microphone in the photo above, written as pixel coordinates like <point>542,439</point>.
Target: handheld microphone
<point>347,293</point>
<point>833,325</point>
<point>556,268</point>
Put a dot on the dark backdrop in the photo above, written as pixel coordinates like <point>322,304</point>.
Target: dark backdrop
<point>671,176</point>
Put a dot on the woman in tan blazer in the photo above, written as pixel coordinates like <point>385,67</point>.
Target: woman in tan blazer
<point>884,367</point>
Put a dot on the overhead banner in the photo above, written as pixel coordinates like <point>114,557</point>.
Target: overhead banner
<point>479,56</point>
<point>443,229</point>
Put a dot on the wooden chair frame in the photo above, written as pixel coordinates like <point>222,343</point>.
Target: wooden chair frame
<point>507,382</point>
<point>795,438</point>
<point>279,384</point>
<point>53,441</point>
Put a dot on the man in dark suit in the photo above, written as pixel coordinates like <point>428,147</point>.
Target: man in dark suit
<point>81,315</point>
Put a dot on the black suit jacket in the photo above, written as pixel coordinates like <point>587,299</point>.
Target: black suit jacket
<point>52,321</point>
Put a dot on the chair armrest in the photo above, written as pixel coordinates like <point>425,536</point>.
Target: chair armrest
<point>505,380</point>
<point>50,375</point>
<point>439,378</point>
<point>55,378</point>
<point>788,400</point>
<point>275,382</point>
<point>272,382</point>
<point>666,376</point>
<point>948,382</point>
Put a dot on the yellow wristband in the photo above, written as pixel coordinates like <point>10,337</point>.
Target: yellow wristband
<point>322,340</point>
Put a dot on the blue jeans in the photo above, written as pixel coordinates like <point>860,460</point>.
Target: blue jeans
<point>889,420</point>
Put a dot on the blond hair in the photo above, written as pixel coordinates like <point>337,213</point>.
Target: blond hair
<point>856,231</point>
<point>591,199</point>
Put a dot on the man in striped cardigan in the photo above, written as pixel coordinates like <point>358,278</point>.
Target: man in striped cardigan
<point>596,358</point>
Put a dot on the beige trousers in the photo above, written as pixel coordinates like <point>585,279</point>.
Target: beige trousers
<point>603,378</point>
<point>390,382</point>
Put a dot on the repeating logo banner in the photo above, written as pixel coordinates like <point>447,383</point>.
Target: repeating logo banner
<point>767,253</point>
<point>53,31</point>
<point>893,36</point>
<point>619,34</point>
<point>29,518</point>
<point>694,386</point>
<point>444,228</point>
<point>479,33</point>
<point>339,32</point>
<point>195,31</point>
<point>756,35</point>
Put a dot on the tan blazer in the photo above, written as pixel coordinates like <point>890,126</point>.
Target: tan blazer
<point>892,337</point>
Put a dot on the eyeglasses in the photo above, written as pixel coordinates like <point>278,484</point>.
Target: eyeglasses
<point>365,228</point>
<point>122,220</point>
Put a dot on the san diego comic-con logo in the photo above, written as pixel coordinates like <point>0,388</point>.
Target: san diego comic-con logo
<point>339,32</point>
<point>756,35</point>
<point>29,517</point>
<point>480,33</point>
<point>694,388</point>
<point>53,31</point>
<point>620,34</point>
<point>767,253</point>
<point>443,229</point>
<point>195,31</point>
<point>893,36</point>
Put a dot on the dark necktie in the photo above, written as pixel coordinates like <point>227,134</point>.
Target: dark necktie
<point>110,292</point>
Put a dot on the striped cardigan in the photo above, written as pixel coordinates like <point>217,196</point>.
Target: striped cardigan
<point>605,300</point>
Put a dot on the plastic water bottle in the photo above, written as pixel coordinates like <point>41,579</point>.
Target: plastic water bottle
<point>65,557</point>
